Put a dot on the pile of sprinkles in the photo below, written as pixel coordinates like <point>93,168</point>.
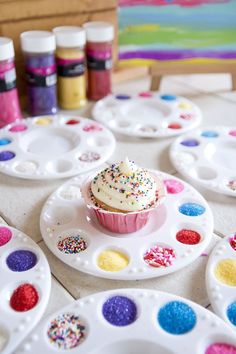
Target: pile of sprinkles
<point>72,244</point>
<point>177,318</point>
<point>188,237</point>
<point>158,256</point>
<point>21,260</point>
<point>89,156</point>
<point>24,298</point>
<point>221,348</point>
<point>119,311</point>
<point>225,271</point>
<point>66,331</point>
<point>5,235</point>
<point>112,260</point>
<point>173,186</point>
<point>192,209</point>
<point>232,242</point>
<point>232,185</point>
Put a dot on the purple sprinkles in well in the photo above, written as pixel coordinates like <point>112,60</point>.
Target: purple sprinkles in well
<point>6,155</point>
<point>190,142</point>
<point>119,311</point>
<point>21,260</point>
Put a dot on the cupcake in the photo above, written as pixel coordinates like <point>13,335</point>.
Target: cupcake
<point>123,196</point>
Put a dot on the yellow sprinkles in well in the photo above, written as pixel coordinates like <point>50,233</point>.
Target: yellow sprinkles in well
<point>43,121</point>
<point>112,260</point>
<point>184,105</point>
<point>225,271</point>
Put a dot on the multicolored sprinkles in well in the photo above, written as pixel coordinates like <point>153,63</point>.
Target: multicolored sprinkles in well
<point>232,185</point>
<point>158,256</point>
<point>66,331</point>
<point>72,244</point>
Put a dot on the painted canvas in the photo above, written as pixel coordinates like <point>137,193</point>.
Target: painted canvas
<point>193,31</point>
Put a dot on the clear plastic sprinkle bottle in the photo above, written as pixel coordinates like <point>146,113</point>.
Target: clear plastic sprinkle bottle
<point>40,66</point>
<point>9,100</point>
<point>70,59</point>
<point>99,37</point>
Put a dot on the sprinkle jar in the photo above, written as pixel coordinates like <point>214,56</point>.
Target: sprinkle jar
<point>40,67</point>
<point>70,59</point>
<point>9,101</point>
<point>99,58</point>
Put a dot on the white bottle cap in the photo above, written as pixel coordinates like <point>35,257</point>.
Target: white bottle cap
<point>6,48</point>
<point>99,31</point>
<point>38,41</point>
<point>69,36</point>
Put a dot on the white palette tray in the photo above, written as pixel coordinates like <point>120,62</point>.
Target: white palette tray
<point>132,321</point>
<point>53,147</point>
<point>208,157</point>
<point>66,219</point>
<point>24,271</point>
<point>221,279</point>
<point>147,114</point>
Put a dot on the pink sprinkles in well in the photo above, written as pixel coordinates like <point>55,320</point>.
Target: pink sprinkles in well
<point>186,116</point>
<point>232,242</point>
<point>173,186</point>
<point>158,256</point>
<point>92,128</point>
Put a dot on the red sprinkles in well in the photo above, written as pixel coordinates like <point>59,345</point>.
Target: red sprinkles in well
<point>174,126</point>
<point>158,256</point>
<point>72,121</point>
<point>188,237</point>
<point>24,298</point>
<point>232,242</point>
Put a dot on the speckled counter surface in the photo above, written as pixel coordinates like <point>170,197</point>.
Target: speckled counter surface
<point>22,200</point>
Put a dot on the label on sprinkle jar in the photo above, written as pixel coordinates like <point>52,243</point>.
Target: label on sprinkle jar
<point>41,77</point>
<point>70,67</point>
<point>8,79</point>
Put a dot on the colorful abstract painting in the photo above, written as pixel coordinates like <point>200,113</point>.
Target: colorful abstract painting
<point>192,31</point>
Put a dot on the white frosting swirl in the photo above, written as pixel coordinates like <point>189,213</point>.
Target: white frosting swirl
<point>125,187</point>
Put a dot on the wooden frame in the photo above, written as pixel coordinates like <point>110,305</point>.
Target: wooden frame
<point>158,70</point>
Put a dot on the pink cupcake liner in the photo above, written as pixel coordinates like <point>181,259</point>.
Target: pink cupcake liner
<point>121,223</point>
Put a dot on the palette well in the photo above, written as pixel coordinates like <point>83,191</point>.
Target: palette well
<point>221,279</point>
<point>207,156</point>
<point>53,147</point>
<point>147,114</point>
<point>177,233</point>
<point>132,321</point>
<point>25,286</point>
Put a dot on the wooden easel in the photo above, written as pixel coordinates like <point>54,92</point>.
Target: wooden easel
<point>158,70</point>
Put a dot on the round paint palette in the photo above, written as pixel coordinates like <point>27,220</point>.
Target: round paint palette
<point>147,114</point>
<point>132,321</point>
<point>207,156</point>
<point>177,232</point>
<point>53,147</point>
<point>221,279</point>
<point>25,286</point>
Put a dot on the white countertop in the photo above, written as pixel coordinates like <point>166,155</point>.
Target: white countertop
<point>22,200</point>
